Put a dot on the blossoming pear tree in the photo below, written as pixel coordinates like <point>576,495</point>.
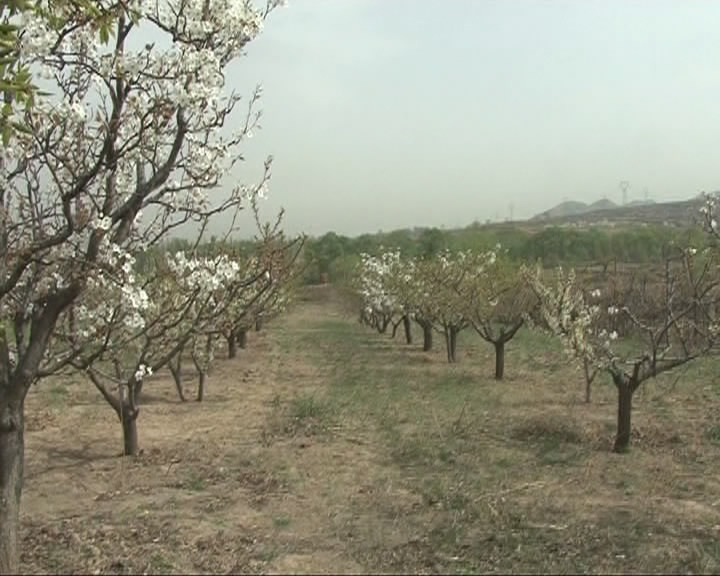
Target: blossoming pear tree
<point>118,341</point>
<point>278,260</point>
<point>497,300</point>
<point>445,275</point>
<point>17,89</point>
<point>668,325</point>
<point>400,281</point>
<point>380,305</point>
<point>422,299</point>
<point>132,142</point>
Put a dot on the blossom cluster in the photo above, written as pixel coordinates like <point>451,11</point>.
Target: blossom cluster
<point>130,142</point>
<point>441,290</point>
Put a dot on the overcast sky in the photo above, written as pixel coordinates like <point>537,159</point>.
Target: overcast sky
<point>384,114</point>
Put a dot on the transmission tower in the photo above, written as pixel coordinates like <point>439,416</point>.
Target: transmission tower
<point>624,185</point>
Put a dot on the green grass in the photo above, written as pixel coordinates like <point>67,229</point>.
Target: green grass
<point>311,414</point>
<point>281,521</point>
<point>714,434</point>
<point>308,407</point>
<point>195,484</point>
<point>515,475</point>
<point>159,564</point>
<point>58,394</point>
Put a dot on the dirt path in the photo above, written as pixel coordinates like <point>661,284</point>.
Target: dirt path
<point>224,485</point>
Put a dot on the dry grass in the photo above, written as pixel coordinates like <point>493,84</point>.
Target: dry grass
<point>327,448</point>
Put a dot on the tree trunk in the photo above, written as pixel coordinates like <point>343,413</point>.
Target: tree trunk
<point>408,329</point>
<point>382,327</point>
<point>201,386</point>
<point>242,339</point>
<point>71,323</point>
<point>138,391</point>
<point>589,377</point>
<point>232,345</point>
<point>258,323</point>
<point>622,439</point>
<point>130,435</point>
<point>499,359</point>
<point>12,460</point>
<point>427,337</point>
<point>176,371</point>
<point>451,343</point>
<point>394,330</point>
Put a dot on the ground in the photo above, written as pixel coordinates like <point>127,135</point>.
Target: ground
<point>327,448</point>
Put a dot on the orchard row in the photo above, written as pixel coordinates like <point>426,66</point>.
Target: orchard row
<point>632,324</point>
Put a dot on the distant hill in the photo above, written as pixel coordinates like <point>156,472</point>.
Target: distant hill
<point>640,202</point>
<point>638,211</point>
<point>573,208</point>
<point>603,204</point>
<point>563,210</point>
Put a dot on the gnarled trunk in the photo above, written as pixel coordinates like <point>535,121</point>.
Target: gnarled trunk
<point>499,359</point>
<point>12,458</point>
<point>408,329</point>
<point>125,406</point>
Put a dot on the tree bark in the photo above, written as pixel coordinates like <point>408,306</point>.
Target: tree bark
<point>129,426</point>
<point>382,327</point>
<point>408,329</point>
<point>176,371</point>
<point>232,345</point>
<point>242,339</point>
<point>71,323</point>
<point>138,391</point>
<point>589,377</point>
<point>201,386</point>
<point>622,439</point>
<point>451,343</point>
<point>394,330</point>
<point>427,337</point>
<point>12,462</point>
<point>499,359</point>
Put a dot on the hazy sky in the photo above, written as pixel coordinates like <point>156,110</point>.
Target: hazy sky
<point>393,113</point>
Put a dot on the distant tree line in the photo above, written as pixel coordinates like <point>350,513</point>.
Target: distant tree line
<point>333,257</point>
